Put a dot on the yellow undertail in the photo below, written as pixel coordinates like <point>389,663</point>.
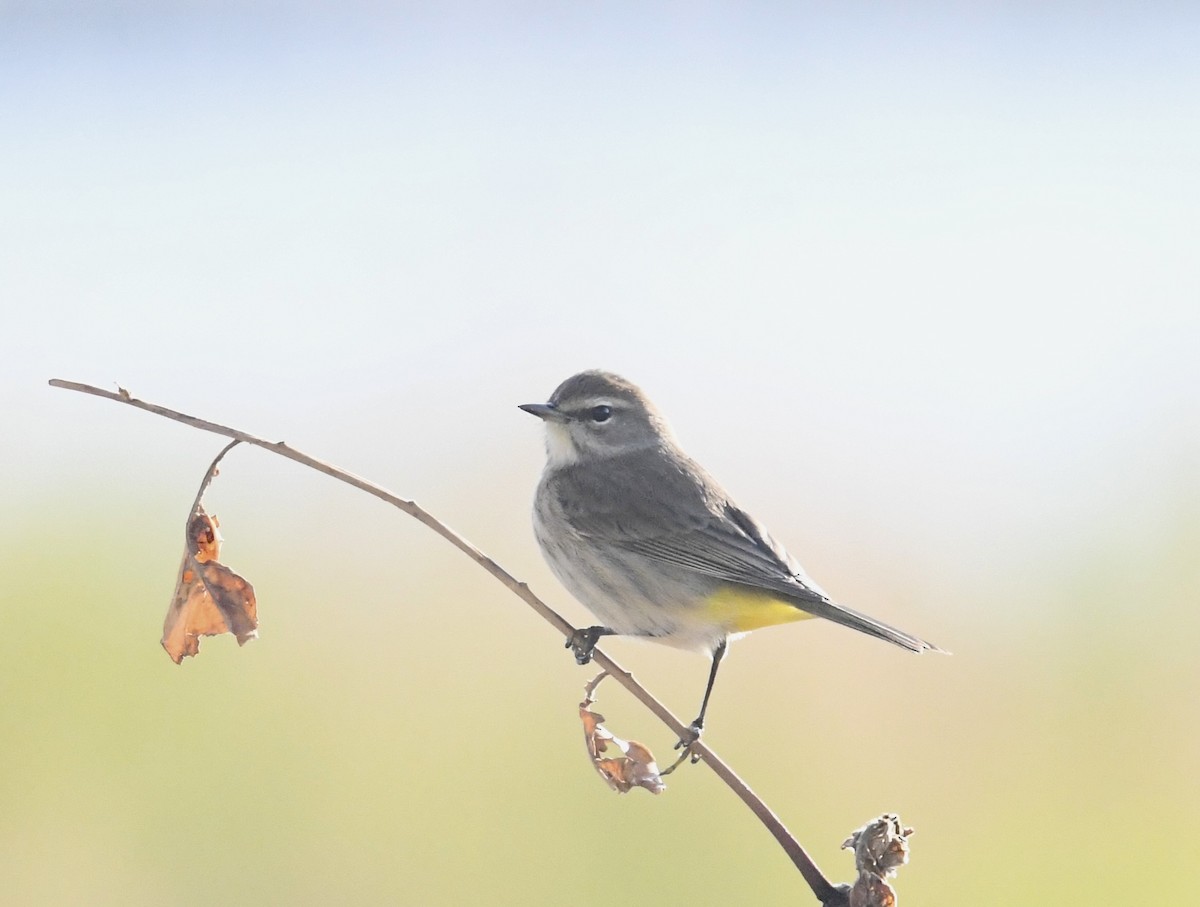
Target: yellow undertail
<point>741,610</point>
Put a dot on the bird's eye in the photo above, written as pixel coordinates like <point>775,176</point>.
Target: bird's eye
<point>600,413</point>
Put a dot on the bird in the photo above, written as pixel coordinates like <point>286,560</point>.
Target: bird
<point>653,545</point>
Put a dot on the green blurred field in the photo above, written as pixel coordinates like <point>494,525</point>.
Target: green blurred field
<point>404,730</point>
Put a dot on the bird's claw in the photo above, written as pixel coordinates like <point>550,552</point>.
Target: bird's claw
<point>582,642</point>
<point>686,741</point>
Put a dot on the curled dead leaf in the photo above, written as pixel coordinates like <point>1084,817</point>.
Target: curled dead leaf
<point>209,597</point>
<point>623,764</point>
<point>880,848</point>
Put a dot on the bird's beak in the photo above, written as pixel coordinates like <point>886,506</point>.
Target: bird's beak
<point>546,411</point>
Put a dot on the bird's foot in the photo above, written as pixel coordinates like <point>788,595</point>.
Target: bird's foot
<point>584,640</point>
<point>685,742</point>
<point>685,746</point>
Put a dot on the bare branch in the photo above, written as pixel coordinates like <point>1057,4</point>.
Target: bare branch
<point>828,894</point>
<point>212,472</point>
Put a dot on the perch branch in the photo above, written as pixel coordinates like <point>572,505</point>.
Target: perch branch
<point>828,894</point>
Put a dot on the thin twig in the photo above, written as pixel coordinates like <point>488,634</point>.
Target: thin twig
<point>821,887</point>
<point>212,472</point>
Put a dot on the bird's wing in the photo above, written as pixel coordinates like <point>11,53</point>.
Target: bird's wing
<point>671,511</point>
<point>723,549</point>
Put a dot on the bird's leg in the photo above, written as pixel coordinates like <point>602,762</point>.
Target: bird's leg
<point>698,725</point>
<point>583,640</point>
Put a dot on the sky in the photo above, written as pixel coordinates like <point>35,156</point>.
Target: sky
<point>918,283</point>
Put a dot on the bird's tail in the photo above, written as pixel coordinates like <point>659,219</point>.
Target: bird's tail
<point>856,620</point>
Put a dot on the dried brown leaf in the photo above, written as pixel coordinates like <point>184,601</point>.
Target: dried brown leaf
<point>880,848</point>
<point>634,767</point>
<point>872,891</point>
<point>209,597</point>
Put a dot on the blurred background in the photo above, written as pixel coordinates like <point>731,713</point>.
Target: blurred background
<point>919,284</point>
